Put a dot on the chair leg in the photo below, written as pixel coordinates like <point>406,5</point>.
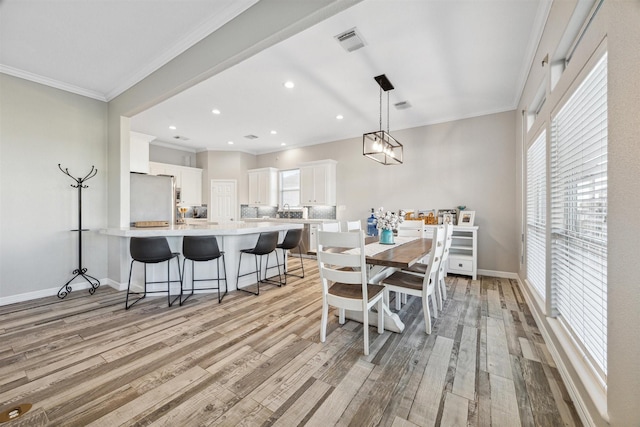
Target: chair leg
<point>257,275</point>
<point>179,296</point>
<point>398,297</point>
<point>427,314</point>
<point>380,317</point>
<point>126,302</point>
<point>226,285</point>
<point>184,271</point>
<point>323,321</point>
<point>341,316</point>
<point>365,326</point>
<point>443,289</point>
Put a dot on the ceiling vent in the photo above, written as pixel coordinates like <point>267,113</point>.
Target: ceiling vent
<point>403,105</point>
<point>350,40</point>
<point>251,136</point>
<point>181,138</point>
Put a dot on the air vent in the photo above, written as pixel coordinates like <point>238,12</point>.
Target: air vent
<point>403,105</point>
<point>350,40</point>
<point>251,136</point>
<point>181,138</point>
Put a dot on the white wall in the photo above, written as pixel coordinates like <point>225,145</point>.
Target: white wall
<point>41,127</point>
<point>616,27</point>
<point>466,162</point>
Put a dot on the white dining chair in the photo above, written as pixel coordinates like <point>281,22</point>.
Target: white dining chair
<point>331,226</point>
<point>344,281</point>
<point>354,225</point>
<point>417,285</point>
<point>421,268</point>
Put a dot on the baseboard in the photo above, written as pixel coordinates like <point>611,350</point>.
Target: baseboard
<point>576,397</point>
<point>43,293</point>
<point>496,273</point>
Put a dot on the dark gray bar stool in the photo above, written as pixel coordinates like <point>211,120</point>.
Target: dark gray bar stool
<point>266,244</point>
<point>202,249</point>
<point>152,250</point>
<point>292,240</point>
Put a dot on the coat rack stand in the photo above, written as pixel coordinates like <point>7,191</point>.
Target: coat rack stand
<point>80,271</point>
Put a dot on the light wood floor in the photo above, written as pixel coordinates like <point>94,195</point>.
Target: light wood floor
<point>258,361</point>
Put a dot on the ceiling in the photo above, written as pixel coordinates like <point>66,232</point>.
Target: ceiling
<point>448,59</point>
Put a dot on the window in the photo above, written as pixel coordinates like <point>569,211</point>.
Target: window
<point>290,187</point>
<point>537,214</point>
<point>579,216</point>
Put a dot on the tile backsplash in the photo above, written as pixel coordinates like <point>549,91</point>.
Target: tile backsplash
<point>315,212</point>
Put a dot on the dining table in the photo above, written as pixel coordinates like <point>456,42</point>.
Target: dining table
<point>384,259</point>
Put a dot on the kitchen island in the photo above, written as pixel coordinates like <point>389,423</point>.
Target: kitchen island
<point>232,237</point>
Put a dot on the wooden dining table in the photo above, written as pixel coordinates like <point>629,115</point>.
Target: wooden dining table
<point>401,255</point>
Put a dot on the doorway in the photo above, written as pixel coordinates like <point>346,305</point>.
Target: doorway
<point>223,204</point>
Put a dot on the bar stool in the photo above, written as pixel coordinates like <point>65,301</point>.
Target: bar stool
<point>202,249</point>
<point>291,240</point>
<point>266,244</point>
<point>152,250</point>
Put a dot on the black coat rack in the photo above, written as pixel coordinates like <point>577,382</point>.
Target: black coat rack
<point>80,271</point>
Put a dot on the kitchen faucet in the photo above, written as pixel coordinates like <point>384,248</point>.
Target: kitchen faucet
<point>288,210</point>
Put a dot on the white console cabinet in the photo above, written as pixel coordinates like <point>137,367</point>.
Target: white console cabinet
<point>263,187</point>
<point>318,183</point>
<point>463,257</point>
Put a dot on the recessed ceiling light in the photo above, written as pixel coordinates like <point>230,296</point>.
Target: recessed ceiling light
<point>215,111</point>
<point>230,142</point>
<point>339,117</point>
<point>172,127</point>
<point>289,84</point>
<point>273,132</point>
<point>283,144</point>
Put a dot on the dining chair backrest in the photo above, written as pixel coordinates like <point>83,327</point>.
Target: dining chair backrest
<point>411,228</point>
<point>435,258</point>
<point>331,226</point>
<point>354,225</point>
<point>341,258</point>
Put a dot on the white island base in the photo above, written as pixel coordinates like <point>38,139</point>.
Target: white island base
<point>232,237</point>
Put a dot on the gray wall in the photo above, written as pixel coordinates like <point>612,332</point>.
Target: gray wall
<point>41,127</point>
<point>226,165</point>
<point>466,162</point>
<point>616,28</point>
<point>172,156</point>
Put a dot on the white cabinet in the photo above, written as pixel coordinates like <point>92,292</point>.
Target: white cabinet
<point>318,183</point>
<point>188,181</point>
<point>463,257</point>
<point>139,152</point>
<point>191,186</point>
<point>263,187</point>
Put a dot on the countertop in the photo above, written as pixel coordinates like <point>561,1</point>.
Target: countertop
<point>232,228</point>
<point>291,220</point>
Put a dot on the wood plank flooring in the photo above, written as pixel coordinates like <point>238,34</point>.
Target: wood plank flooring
<point>257,361</point>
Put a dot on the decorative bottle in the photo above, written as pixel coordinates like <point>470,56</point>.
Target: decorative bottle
<point>372,229</point>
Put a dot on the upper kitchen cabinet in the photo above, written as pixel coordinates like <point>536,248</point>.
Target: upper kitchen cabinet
<point>263,187</point>
<point>139,152</point>
<point>188,180</point>
<point>318,183</point>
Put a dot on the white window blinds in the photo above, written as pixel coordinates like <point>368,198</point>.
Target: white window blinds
<point>579,215</point>
<point>537,214</point>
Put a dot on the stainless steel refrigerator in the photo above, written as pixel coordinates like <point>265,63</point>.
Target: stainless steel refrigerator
<point>153,198</point>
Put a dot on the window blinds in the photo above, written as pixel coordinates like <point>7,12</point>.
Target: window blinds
<point>536,214</point>
<point>579,215</point>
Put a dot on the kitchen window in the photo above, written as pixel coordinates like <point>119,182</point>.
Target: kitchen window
<point>290,187</point>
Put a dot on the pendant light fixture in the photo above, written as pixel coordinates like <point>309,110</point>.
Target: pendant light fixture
<point>380,145</point>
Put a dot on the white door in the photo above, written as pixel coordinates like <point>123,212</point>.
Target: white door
<point>224,200</point>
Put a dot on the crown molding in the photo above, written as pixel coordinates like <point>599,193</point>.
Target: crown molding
<point>36,78</point>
